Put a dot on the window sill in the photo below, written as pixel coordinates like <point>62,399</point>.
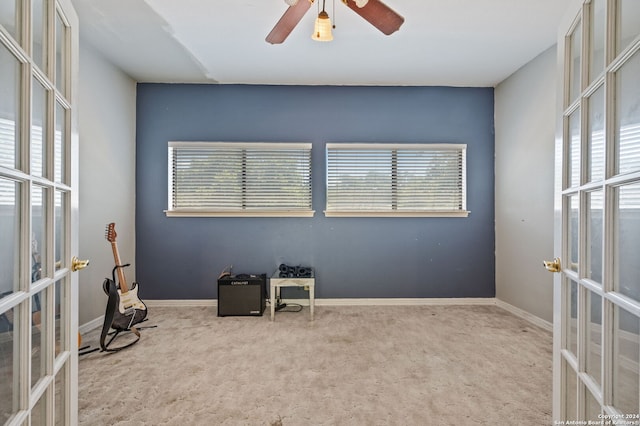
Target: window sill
<point>239,213</point>
<point>368,213</point>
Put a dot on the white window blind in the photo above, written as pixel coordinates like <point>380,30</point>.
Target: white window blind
<point>8,156</point>
<point>396,180</point>
<point>239,179</point>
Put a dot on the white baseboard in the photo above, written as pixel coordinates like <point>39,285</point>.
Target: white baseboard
<point>91,325</point>
<point>341,302</point>
<point>525,315</point>
<point>468,301</point>
<point>180,303</point>
<point>393,301</point>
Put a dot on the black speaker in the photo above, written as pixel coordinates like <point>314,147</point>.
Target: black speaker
<point>242,295</point>
<point>287,271</point>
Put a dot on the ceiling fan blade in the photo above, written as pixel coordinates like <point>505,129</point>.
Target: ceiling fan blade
<point>288,22</point>
<point>379,15</point>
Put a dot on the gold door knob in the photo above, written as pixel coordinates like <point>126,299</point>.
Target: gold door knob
<point>77,264</point>
<point>553,265</point>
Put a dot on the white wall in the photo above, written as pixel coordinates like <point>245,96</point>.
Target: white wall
<point>524,170</point>
<point>107,106</point>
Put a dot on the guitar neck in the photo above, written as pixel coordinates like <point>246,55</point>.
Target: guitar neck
<point>121,278</point>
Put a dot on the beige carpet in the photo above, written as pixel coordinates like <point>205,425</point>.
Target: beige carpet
<point>353,365</point>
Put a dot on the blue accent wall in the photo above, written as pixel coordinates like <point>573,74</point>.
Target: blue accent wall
<point>180,258</point>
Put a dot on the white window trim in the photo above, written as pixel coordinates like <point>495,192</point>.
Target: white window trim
<point>401,213</point>
<point>209,212</point>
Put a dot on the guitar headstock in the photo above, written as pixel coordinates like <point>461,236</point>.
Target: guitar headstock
<point>110,232</point>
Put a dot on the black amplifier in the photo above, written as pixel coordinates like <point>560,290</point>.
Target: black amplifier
<point>242,295</point>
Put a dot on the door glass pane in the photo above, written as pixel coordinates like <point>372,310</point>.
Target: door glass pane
<point>59,229</point>
<point>38,129</point>
<point>9,18</point>
<point>594,337</point>
<point>573,229</point>
<point>594,410</point>
<point>39,411</point>
<point>627,240</point>
<point>628,28</point>
<point>573,162</point>
<point>10,231</point>
<point>59,144</point>
<point>9,108</point>
<point>60,396</point>
<point>39,34</point>
<point>598,16</point>
<point>59,306</point>
<point>576,60</point>
<point>9,356</point>
<point>61,57</point>
<point>625,362</point>
<point>571,391</point>
<point>572,319</point>
<point>38,303</point>
<point>38,235</point>
<point>35,132</point>
<point>595,217</point>
<point>595,137</point>
<point>627,122</point>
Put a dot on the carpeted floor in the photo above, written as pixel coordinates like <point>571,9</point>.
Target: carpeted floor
<point>353,365</point>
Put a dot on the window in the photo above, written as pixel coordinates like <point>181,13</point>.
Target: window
<point>396,180</point>
<point>239,179</point>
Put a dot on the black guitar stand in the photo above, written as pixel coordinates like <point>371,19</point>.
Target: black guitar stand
<point>114,334</point>
<point>84,350</point>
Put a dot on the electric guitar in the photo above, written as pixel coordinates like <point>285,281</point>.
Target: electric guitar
<point>130,310</point>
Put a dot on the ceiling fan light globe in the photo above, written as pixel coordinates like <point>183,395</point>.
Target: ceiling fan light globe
<point>291,2</point>
<point>361,3</point>
<point>322,28</point>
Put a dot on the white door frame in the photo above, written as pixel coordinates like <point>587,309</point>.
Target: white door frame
<point>73,237</point>
<point>559,299</point>
<point>594,394</point>
<point>42,308</point>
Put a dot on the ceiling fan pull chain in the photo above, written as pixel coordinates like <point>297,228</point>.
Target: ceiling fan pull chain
<point>334,14</point>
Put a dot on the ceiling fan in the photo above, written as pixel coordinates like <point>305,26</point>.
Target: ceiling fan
<point>375,12</point>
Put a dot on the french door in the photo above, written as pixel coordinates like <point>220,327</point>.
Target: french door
<point>597,289</point>
<point>38,212</point>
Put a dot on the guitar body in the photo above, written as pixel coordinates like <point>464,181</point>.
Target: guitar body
<point>131,310</point>
<point>128,310</point>
<point>130,300</point>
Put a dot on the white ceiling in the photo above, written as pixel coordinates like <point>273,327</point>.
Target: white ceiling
<point>442,42</point>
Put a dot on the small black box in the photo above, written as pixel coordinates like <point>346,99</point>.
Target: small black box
<point>242,295</point>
